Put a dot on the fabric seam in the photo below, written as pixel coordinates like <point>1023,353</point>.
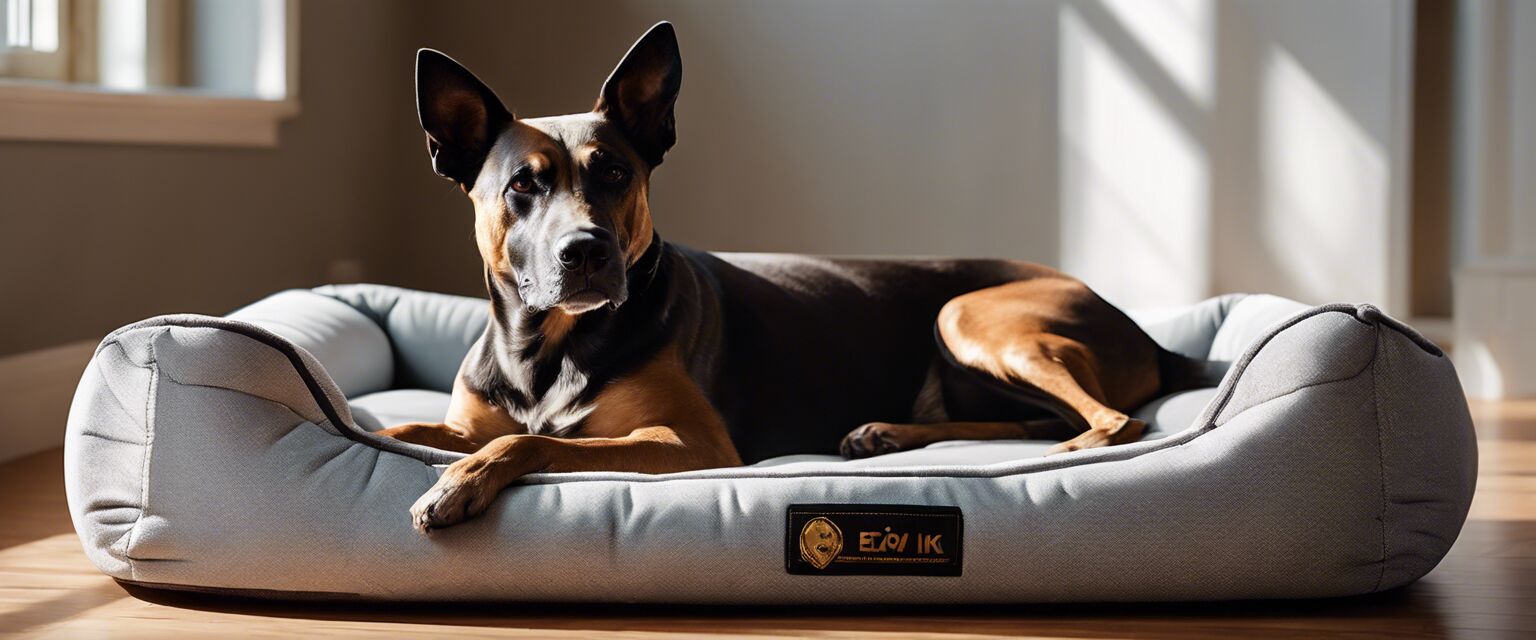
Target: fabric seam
<point>291,410</point>
<point>153,364</point>
<point>1370,364</point>
<point>290,351</point>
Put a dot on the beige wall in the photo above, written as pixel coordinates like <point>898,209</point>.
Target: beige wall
<point>96,236</point>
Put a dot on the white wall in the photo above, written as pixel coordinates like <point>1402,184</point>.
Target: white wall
<point>1496,115</point>
<point>236,48</point>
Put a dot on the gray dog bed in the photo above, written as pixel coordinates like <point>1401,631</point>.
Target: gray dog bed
<point>235,454</point>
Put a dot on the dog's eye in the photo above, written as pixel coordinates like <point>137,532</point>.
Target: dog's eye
<point>523,183</point>
<point>614,174</point>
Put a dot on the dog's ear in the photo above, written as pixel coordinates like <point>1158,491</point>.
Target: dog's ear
<point>641,91</point>
<point>461,116</point>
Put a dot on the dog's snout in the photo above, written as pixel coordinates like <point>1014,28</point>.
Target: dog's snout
<point>584,249</point>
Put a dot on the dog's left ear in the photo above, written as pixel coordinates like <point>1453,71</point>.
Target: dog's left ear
<point>640,93</point>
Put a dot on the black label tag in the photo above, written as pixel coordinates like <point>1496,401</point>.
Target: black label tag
<point>873,540</point>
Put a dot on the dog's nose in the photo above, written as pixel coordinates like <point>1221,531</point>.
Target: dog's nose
<point>583,249</point>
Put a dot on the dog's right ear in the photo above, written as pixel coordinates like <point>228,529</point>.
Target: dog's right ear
<point>462,116</point>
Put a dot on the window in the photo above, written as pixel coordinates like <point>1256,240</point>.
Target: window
<point>33,45</point>
<point>216,72</point>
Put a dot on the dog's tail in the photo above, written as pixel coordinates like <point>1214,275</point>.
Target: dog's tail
<point>1178,372</point>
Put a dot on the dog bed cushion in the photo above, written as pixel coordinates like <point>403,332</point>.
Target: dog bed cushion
<point>236,455</point>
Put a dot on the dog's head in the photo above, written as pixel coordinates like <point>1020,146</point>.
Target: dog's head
<point>561,203</point>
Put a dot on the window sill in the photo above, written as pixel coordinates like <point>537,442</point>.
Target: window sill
<point>85,113</point>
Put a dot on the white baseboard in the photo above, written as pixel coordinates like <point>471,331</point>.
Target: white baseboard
<point>35,391</point>
<point>1495,352</point>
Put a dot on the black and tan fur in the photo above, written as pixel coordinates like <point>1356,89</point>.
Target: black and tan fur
<point>609,349</point>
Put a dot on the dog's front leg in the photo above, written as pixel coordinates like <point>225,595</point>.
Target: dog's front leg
<point>431,434</point>
<point>469,486</point>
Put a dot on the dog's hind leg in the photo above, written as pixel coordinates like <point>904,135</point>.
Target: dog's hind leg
<point>1055,344</point>
<point>1063,371</point>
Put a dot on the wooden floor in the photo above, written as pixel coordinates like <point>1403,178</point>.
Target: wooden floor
<point>1486,588</point>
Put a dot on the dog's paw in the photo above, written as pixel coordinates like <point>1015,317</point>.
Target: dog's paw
<point>1063,447</point>
<point>1131,431</point>
<point>452,500</point>
<point>1091,439</point>
<point>873,439</point>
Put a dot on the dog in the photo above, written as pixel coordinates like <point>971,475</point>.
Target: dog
<point>609,349</point>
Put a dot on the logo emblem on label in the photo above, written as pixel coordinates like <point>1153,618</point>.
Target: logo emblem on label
<point>820,542</point>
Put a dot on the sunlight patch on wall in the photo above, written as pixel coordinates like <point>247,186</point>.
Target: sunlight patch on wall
<point>1134,183</point>
<point>1179,34</point>
<point>238,48</point>
<point>1479,369</point>
<point>123,58</point>
<point>271,58</point>
<point>1323,189</point>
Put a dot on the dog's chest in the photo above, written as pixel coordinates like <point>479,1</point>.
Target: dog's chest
<point>549,402</point>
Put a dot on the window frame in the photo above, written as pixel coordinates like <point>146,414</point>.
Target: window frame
<point>72,110</point>
<point>17,62</point>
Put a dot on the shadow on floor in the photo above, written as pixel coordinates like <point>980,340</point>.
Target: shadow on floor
<point>1407,612</point>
